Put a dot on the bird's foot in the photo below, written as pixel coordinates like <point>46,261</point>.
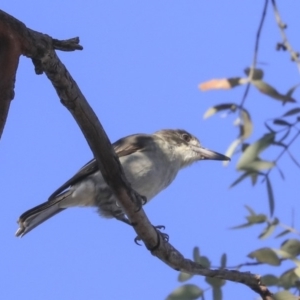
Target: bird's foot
<point>139,201</point>
<point>165,236</point>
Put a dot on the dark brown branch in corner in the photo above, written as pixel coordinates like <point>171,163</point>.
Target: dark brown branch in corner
<point>10,51</point>
<point>40,48</point>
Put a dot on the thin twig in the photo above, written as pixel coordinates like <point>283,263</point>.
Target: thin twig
<point>285,42</point>
<point>255,52</point>
<point>284,150</point>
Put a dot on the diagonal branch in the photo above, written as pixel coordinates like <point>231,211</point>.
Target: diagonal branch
<point>40,48</point>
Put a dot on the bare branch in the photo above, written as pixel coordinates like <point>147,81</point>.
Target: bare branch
<point>40,48</point>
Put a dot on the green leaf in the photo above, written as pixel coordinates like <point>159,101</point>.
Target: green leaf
<point>291,247</point>
<point>284,295</point>
<point>186,292</point>
<point>258,165</point>
<point>291,90</point>
<point>282,122</point>
<point>269,280</point>
<point>256,75</point>
<point>251,211</point>
<point>215,282</point>
<point>288,279</point>
<point>291,112</point>
<point>231,149</point>
<point>284,232</point>
<point>297,271</point>
<point>217,293</point>
<point>223,261</point>
<point>246,127</point>
<point>251,152</point>
<point>270,91</point>
<point>204,261</point>
<point>265,255</point>
<point>267,231</point>
<point>257,219</point>
<point>270,196</point>
<point>239,179</point>
<point>196,254</point>
<point>182,277</point>
<point>217,108</point>
<point>242,226</point>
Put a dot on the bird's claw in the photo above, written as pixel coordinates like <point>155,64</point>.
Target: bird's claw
<point>141,200</point>
<point>165,236</point>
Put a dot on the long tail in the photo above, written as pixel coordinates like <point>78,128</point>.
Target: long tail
<point>39,214</point>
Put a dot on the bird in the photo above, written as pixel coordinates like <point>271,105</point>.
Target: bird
<point>150,162</point>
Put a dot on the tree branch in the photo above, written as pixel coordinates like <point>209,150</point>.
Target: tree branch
<point>40,48</point>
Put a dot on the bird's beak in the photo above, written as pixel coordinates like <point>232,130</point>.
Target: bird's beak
<point>209,154</point>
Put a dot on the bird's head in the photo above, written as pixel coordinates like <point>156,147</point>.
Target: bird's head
<point>187,147</point>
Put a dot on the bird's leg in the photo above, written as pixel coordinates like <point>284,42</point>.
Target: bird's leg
<point>139,201</point>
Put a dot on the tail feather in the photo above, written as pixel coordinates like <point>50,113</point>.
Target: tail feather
<point>39,214</point>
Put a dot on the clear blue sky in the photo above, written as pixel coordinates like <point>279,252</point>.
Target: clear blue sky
<point>141,64</point>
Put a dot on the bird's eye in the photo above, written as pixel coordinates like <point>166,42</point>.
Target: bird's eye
<point>186,137</point>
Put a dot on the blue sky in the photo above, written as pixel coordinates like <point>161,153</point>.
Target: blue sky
<point>140,67</point>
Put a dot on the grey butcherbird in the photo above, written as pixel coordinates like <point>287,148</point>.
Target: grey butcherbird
<point>150,162</point>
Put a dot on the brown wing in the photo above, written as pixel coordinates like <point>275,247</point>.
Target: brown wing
<point>122,147</point>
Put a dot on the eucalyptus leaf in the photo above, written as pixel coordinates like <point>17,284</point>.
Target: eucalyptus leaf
<point>269,280</point>
<point>288,279</point>
<point>282,122</point>
<point>230,151</point>
<point>284,295</point>
<point>186,292</point>
<point>242,226</point>
<point>291,246</point>
<point>240,178</point>
<point>265,255</point>
<point>223,261</point>
<point>267,232</point>
<point>256,73</point>
<point>217,108</point>
<point>291,112</point>
<point>257,219</point>
<point>282,233</point>
<point>217,293</point>
<point>270,91</point>
<point>182,277</point>
<point>247,127</point>
<point>196,254</point>
<point>215,282</point>
<point>291,90</point>
<point>251,211</point>
<point>270,196</point>
<point>251,152</point>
